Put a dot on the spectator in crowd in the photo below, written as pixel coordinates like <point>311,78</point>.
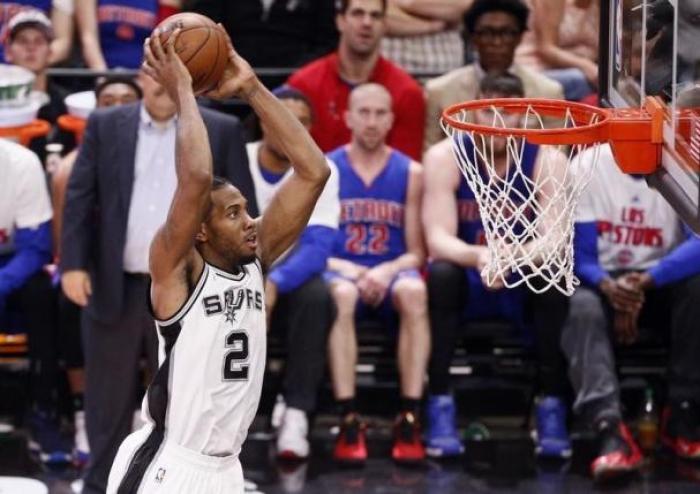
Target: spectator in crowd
<point>25,288</point>
<point>562,42</point>
<point>495,28</point>
<point>275,33</point>
<point>374,267</point>
<point>458,292</point>
<point>638,265</point>
<point>59,11</point>
<point>327,82</point>
<point>28,45</point>
<point>118,195</point>
<point>297,299</point>
<point>425,35</point>
<point>112,91</point>
<point>112,32</point>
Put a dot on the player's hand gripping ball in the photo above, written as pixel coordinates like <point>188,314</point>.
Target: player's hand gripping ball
<point>201,46</point>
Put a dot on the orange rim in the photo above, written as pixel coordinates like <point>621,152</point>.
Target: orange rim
<point>591,122</point>
<point>635,134</point>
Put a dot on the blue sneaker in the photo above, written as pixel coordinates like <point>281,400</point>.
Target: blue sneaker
<point>47,441</point>
<point>551,437</point>
<point>441,438</point>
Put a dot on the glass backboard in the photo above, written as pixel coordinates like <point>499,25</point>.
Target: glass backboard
<point>652,48</point>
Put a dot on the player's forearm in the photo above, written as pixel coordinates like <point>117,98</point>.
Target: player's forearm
<point>452,249</point>
<point>409,260</point>
<point>194,161</point>
<point>445,10</point>
<point>337,264</point>
<point>307,159</point>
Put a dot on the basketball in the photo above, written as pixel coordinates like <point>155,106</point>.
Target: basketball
<point>201,46</point>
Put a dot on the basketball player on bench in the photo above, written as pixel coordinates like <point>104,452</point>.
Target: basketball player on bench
<point>457,292</point>
<point>207,263</point>
<point>374,269</point>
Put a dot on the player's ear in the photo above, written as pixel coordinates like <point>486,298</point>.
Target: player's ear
<point>202,236</point>
<point>346,117</point>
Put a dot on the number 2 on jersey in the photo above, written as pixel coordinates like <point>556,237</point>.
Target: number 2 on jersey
<point>234,369</point>
<point>360,242</point>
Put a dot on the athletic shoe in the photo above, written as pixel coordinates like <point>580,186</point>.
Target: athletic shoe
<point>81,451</point>
<point>618,452</point>
<point>680,429</point>
<point>46,439</point>
<point>408,447</point>
<point>351,444</point>
<point>292,441</point>
<point>441,438</point>
<point>551,437</point>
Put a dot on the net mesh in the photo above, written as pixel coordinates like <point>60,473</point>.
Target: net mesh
<point>527,206</point>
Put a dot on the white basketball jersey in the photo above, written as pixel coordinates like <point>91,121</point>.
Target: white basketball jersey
<point>212,363</point>
<point>636,226</point>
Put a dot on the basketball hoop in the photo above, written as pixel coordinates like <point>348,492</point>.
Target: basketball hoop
<point>528,216</point>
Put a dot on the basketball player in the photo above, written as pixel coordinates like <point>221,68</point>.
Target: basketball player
<point>374,266</point>
<point>457,291</point>
<point>207,263</point>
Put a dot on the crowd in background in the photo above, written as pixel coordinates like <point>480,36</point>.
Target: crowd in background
<point>396,235</point>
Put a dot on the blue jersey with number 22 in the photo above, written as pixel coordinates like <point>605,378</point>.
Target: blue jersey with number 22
<point>371,228</point>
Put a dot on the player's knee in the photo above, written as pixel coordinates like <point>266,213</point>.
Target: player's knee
<point>345,295</point>
<point>410,297</point>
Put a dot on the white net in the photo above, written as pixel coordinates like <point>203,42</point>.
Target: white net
<point>527,197</point>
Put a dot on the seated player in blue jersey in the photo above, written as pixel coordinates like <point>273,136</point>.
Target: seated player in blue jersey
<point>457,291</point>
<point>638,265</point>
<point>297,300</point>
<point>374,269</point>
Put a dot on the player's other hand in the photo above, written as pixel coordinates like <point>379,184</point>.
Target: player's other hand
<point>238,79</point>
<point>164,65</point>
<point>77,287</point>
<point>374,284</point>
<point>482,261</point>
<point>622,295</point>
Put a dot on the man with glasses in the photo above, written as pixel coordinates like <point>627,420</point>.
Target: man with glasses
<point>495,28</point>
<point>327,82</point>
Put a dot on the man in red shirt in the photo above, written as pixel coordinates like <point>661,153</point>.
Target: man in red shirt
<point>327,82</point>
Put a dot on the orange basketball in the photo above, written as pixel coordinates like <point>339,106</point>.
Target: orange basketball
<point>201,46</point>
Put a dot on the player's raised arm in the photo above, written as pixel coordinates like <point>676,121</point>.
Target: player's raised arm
<point>292,204</point>
<point>173,245</point>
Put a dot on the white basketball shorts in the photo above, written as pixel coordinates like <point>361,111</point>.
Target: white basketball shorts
<point>177,470</point>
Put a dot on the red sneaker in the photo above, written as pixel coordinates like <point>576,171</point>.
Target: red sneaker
<point>619,453</point>
<point>351,445</point>
<point>408,447</point>
<point>680,430</point>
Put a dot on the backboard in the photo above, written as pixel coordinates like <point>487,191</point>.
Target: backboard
<point>652,48</point>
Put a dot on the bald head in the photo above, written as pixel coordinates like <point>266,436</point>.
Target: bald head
<point>371,90</point>
<point>369,116</point>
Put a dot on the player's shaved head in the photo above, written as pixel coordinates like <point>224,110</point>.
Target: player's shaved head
<point>369,116</point>
<point>369,90</point>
